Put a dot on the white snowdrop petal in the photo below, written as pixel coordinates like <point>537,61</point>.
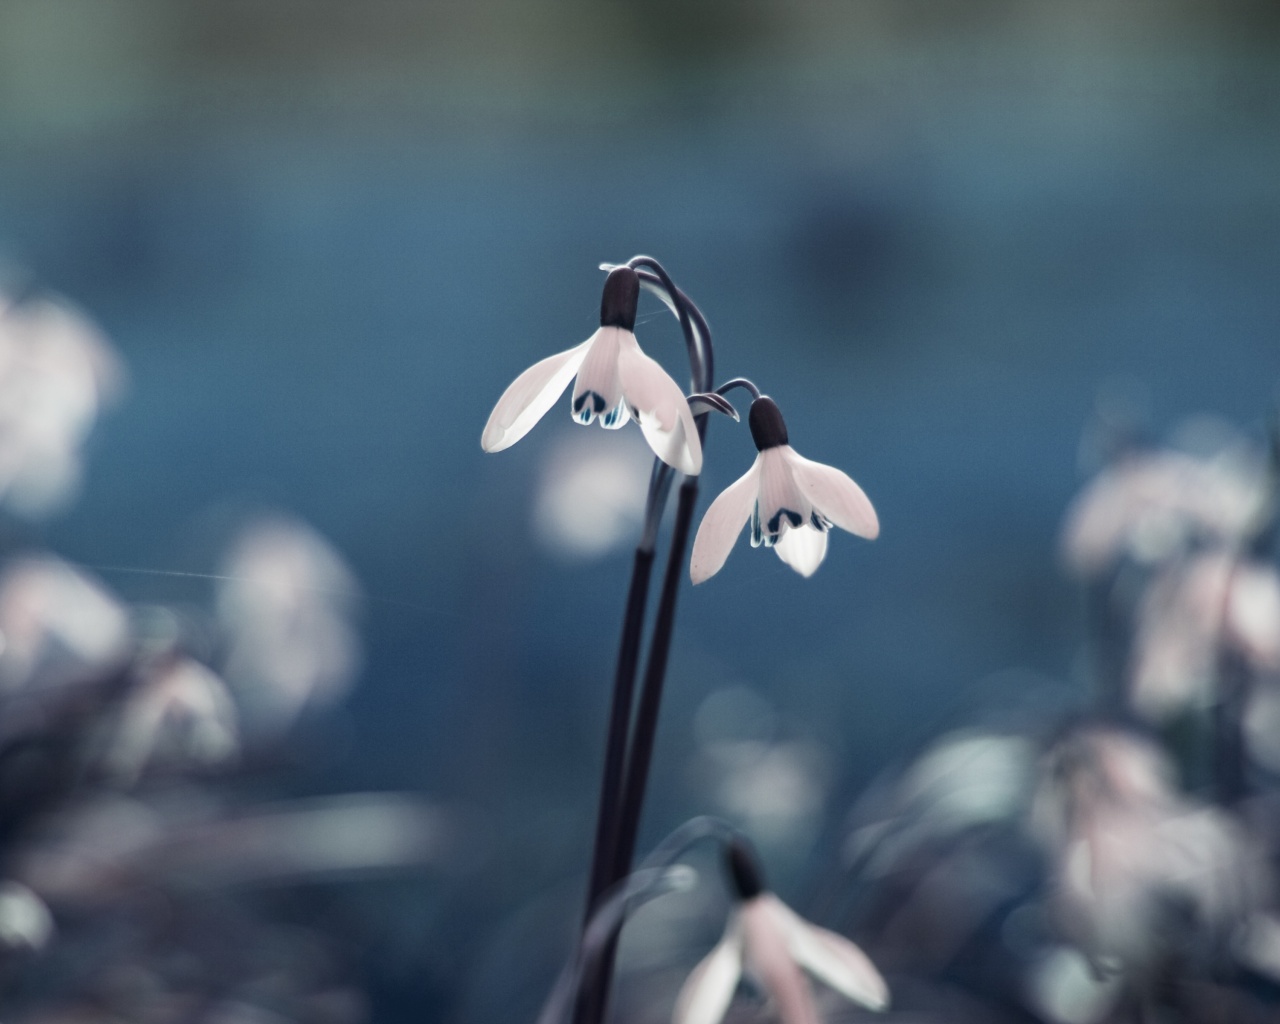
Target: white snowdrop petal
<point>660,408</point>
<point>529,396</point>
<point>706,994</point>
<point>803,548</point>
<point>598,390</point>
<point>722,524</point>
<point>780,497</point>
<point>768,957</point>
<point>835,496</point>
<point>836,961</point>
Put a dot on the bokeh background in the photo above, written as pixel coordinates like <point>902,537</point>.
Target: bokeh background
<point>324,237</point>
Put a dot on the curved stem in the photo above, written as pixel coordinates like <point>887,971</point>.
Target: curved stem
<point>602,930</point>
<point>694,325</point>
<point>692,832</point>
<point>592,967</point>
<point>738,382</point>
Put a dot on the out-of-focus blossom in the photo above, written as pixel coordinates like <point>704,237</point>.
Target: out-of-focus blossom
<point>1132,858</point>
<point>767,938</point>
<point>790,501</point>
<point>1066,988</point>
<point>57,372</point>
<point>180,715</point>
<point>57,625</point>
<point>286,601</point>
<point>965,780</point>
<point>25,921</point>
<point>591,496</point>
<point>1151,506</point>
<point>775,788</point>
<point>1193,612</point>
<point>615,381</point>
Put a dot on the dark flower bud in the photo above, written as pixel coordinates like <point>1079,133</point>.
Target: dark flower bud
<point>621,294</point>
<point>767,428</point>
<point>744,870</point>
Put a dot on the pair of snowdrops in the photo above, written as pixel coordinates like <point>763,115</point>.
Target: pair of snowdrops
<point>790,501</point>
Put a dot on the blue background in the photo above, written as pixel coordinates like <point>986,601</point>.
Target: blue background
<point>326,236</point>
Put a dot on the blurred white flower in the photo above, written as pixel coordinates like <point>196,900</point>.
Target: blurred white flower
<point>1066,989</point>
<point>769,940</point>
<point>774,788</point>
<point>286,601</point>
<point>1130,854</point>
<point>180,714</point>
<point>615,381</point>
<point>1150,506</point>
<point>57,625</point>
<point>57,372</point>
<point>791,502</point>
<point>1190,614</point>
<point>591,495</point>
<point>25,921</point>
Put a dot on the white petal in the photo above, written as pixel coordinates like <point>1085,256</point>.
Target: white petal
<point>661,407</point>
<point>706,995</point>
<point>722,524</point>
<point>834,495</point>
<point>529,396</point>
<point>803,548</point>
<point>598,376</point>
<point>833,959</point>
<point>781,499</point>
<point>770,960</point>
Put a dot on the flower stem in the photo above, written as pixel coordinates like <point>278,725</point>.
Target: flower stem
<point>646,727</point>
<point>627,757</point>
<point>594,995</point>
<point>624,679</point>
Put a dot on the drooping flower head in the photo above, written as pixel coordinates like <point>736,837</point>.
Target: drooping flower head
<point>769,940</point>
<point>615,382</point>
<point>790,501</point>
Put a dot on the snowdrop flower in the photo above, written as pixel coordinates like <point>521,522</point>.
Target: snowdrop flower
<point>774,943</point>
<point>286,599</point>
<point>615,381</point>
<point>1153,506</point>
<point>58,625</point>
<point>1136,866</point>
<point>1193,612</point>
<point>791,503</point>
<point>183,713</point>
<point>57,372</point>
